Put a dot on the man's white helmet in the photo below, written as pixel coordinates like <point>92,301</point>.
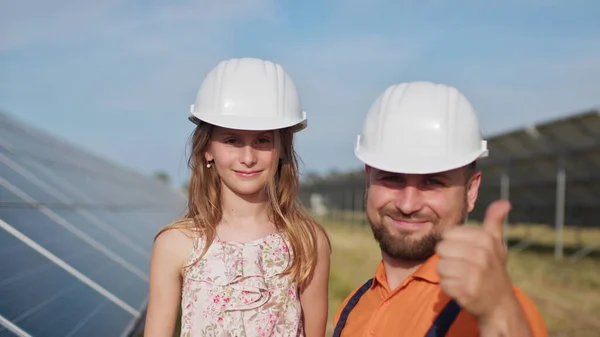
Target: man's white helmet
<point>248,94</point>
<point>420,128</point>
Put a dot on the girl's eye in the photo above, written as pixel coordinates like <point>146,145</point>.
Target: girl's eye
<point>264,140</point>
<point>230,141</point>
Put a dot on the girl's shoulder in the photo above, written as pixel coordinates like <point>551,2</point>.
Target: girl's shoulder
<point>179,228</point>
<point>321,234</point>
<point>176,239</point>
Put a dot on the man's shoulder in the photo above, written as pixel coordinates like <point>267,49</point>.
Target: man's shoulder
<point>531,311</point>
<point>521,294</point>
<point>527,303</point>
<point>466,324</point>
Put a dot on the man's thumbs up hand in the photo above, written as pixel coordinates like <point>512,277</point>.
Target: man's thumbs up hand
<point>472,264</point>
<point>495,215</point>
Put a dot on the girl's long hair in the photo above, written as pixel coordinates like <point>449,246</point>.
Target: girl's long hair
<point>204,210</point>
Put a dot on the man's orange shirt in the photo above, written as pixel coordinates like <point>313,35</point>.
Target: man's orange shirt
<point>411,308</point>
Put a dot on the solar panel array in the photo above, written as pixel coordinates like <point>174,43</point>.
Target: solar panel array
<point>550,172</point>
<point>76,235</point>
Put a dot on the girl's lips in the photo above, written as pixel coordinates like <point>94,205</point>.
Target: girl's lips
<point>247,173</point>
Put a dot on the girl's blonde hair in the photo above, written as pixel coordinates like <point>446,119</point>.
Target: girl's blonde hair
<point>204,210</point>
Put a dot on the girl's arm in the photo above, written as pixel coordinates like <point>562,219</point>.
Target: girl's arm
<point>168,255</point>
<point>315,296</point>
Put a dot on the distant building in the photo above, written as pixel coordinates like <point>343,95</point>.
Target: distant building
<point>317,204</point>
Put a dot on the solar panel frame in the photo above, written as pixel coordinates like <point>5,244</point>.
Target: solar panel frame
<point>8,329</point>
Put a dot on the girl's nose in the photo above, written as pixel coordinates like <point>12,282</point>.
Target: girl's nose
<point>248,157</point>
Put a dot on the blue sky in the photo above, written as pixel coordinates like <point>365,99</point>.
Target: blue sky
<point>117,77</point>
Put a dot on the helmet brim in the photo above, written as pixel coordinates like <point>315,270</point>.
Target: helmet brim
<point>250,123</point>
<point>418,164</point>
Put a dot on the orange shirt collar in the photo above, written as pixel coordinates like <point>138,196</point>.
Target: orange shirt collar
<point>427,272</point>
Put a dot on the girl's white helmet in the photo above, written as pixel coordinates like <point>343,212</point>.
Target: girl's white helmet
<point>420,128</point>
<point>248,94</point>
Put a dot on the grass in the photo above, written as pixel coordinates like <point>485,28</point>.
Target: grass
<point>567,294</point>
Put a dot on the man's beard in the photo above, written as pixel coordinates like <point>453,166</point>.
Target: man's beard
<point>401,246</point>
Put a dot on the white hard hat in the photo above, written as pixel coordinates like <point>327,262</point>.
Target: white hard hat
<point>248,94</point>
<point>420,128</point>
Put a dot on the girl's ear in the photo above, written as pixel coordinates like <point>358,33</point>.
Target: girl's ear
<point>279,145</point>
<point>208,156</point>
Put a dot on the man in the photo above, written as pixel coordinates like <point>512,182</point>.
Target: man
<point>420,142</point>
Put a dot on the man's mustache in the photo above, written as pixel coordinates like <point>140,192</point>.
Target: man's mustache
<point>417,217</point>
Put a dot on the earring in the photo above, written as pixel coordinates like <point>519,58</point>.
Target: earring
<point>209,164</point>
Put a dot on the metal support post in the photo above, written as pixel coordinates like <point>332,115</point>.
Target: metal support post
<point>560,208</point>
<point>505,194</point>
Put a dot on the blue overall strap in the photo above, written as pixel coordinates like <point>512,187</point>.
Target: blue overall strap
<point>349,306</point>
<point>442,323</point>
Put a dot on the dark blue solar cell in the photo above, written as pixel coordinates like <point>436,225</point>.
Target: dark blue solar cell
<point>8,199</point>
<point>102,267</point>
<point>73,185</point>
<point>102,232</point>
<point>25,140</point>
<point>102,183</point>
<point>141,226</point>
<point>70,186</point>
<point>22,142</point>
<point>43,299</point>
<point>23,185</point>
<point>137,231</point>
<point>106,235</point>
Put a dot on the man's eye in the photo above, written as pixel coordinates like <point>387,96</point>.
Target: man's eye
<point>434,182</point>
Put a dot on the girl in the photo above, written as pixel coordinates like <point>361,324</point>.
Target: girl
<point>246,259</point>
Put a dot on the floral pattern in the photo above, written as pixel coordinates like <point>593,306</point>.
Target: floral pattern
<point>238,290</point>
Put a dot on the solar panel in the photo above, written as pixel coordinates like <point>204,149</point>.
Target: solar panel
<point>532,159</point>
<point>76,236</point>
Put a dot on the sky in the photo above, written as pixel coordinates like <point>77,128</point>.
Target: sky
<point>117,77</point>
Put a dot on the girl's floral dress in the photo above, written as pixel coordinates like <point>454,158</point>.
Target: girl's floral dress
<point>236,290</point>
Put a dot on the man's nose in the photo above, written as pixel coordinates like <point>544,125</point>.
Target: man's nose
<point>409,199</point>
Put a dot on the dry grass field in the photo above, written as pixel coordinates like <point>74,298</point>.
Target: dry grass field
<point>568,294</point>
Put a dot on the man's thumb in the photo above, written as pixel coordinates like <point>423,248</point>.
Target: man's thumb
<point>494,218</point>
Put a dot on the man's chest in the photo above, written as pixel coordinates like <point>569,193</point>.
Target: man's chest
<point>416,312</point>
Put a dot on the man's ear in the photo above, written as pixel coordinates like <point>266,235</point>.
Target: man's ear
<point>367,176</point>
<point>367,183</point>
<point>473,190</point>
